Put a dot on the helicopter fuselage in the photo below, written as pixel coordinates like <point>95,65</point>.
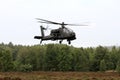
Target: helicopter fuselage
<point>63,33</point>
<point>58,34</point>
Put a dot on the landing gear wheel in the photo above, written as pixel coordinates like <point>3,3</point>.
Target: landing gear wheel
<point>69,42</point>
<point>60,42</point>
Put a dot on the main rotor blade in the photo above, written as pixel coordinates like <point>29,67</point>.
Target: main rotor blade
<point>46,21</point>
<point>51,22</point>
<point>77,24</point>
<point>66,24</point>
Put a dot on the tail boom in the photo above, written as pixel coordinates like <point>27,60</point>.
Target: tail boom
<point>38,37</point>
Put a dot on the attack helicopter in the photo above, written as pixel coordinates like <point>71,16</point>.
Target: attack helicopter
<point>62,33</point>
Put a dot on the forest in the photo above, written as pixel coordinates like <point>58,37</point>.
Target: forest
<point>58,57</point>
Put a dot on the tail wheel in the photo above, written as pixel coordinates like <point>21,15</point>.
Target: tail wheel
<point>41,41</point>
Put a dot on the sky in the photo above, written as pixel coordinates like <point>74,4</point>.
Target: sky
<point>19,26</point>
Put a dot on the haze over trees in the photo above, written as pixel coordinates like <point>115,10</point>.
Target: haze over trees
<point>58,57</point>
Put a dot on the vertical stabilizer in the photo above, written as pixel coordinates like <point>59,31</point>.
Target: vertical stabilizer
<point>42,32</point>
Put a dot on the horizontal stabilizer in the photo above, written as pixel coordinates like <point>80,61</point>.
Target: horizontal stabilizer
<point>38,37</point>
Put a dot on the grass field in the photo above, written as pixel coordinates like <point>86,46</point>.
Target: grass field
<point>59,76</point>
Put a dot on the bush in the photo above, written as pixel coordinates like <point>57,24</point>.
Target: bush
<point>25,68</point>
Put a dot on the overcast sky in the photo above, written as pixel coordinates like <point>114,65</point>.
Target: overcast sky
<point>18,23</point>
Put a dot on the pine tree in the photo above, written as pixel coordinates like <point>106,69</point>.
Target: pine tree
<point>102,65</point>
<point>118,67</point>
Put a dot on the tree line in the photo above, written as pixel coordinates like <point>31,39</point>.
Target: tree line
<point>58,57</point>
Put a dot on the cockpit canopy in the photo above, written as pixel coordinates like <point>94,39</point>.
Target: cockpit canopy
<point>67,30</point>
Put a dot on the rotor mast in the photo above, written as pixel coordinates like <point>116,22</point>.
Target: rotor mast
<point>63,25</point>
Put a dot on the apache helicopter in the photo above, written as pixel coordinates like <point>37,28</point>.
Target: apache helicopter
<point>61,33</point>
